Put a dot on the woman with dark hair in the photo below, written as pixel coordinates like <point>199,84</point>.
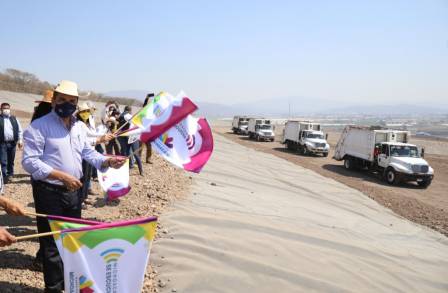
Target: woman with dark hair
<point>44,106</point>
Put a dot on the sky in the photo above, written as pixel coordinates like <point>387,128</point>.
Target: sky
<point>360,52</point>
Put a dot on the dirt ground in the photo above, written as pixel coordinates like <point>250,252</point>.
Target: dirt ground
<point>427,207</point>
<point>150,195</point>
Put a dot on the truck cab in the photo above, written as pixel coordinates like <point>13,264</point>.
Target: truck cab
<point>402,162</point>
<point>314,142</point>
<point>242,129</point>
<point>240,124</point>
<point>264,132</point>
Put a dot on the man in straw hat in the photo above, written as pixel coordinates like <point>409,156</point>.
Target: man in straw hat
<point>55,146</point>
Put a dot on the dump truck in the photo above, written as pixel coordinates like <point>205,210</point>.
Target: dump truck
<point>386,151</point>
<point>261,129</point>
<point>305,137</point>
<point>240,124</point>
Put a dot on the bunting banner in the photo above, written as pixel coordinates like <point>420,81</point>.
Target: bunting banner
<point>161,113</point>
<point>115,182</point>
<point>106,257</point>
<point>188,145</point>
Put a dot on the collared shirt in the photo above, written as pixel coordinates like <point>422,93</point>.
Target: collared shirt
<point>9,131</point>
<point>50,145</point>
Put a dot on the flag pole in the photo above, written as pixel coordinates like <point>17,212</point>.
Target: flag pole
<point>126,123</point>
<point>36,214</point>
<point>26,237</point>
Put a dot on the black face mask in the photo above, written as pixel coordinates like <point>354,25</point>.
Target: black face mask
<point>65,110</point>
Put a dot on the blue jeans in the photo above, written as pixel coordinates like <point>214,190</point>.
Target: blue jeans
<point>126,150</point>
<point>7,156</point>
<point>134,148</point>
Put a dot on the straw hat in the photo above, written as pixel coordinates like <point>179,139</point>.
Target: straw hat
<point>91,105</point>
<point>83,107</point>
<point>67,87</point>
<point>47,98</point>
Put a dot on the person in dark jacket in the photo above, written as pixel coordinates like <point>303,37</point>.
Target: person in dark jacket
<point>44,106</point>
<point>10,138</point>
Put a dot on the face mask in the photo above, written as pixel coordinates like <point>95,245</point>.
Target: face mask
<point>84,116</point>
<point>65,110</point>
<point>6,112</point>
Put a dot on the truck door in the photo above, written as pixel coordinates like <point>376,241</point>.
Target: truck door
<point>383,157</point>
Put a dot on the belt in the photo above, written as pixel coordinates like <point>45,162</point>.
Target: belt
<point>52,187</point>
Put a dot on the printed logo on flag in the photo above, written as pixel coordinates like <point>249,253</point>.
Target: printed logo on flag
<point>112,254</point>
<point>85,285</point>
<point>189,144</point>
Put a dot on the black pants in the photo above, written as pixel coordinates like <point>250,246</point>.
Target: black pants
<point>53,200</point>
<point>7,157</point>
<point>86,179</point>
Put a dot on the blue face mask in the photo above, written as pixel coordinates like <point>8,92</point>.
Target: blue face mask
<point>65,110</point>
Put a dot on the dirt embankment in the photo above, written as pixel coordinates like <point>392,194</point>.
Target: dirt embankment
<point>428,207</point>
<point>150,195</point>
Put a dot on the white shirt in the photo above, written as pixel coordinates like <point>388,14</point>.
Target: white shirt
<point>9,132</point>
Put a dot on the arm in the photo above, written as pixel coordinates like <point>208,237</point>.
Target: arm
<point>11,207</point>
<point>20,142</point>
<point>32,163</point>
<point>101,162</point>
<point>32,153</point>
<point>6,238</point>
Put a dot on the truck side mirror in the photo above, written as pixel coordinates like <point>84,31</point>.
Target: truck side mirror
<point>326,136</point>
<point>422,154</point>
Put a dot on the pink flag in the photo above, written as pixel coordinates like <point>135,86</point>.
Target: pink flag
<point>163,112</point>
<point>189,144</point>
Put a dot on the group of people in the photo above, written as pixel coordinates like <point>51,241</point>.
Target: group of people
<point>62,149</point>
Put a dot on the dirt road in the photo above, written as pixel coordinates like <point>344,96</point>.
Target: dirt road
<point>258,223</point>
<point>428,207</point>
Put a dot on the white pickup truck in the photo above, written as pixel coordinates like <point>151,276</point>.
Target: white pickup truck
<point>261,129</point>
<point>386,151</point>
<point>306,137</point>
<point>240,124</point>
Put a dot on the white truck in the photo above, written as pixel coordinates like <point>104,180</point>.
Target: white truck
<point>386,151</point>
<point>306,137</point>
<point>261,129</point>
<point>240,124</point>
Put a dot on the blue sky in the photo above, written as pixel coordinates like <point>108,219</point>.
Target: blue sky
<point>359,52</point>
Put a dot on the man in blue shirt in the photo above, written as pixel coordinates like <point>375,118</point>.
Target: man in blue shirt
<point>10,138</point>
<point>55,146</point>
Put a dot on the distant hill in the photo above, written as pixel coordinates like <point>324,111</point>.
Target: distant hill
<point>399,109</point>
<point>296,106</point>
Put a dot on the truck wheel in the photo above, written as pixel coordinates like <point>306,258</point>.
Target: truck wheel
<point>348,163</point>
<point>272,140</point>
<point>304,151</point>
<point>325,154</point>
<point>424,183</point>
<point>258,138</point>
<point>391,176</point>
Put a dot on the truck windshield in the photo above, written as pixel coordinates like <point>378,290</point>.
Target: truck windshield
<point>265,127</point>
<point>404,151</point>
<point>315,135</point>
<point>244,123</point>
